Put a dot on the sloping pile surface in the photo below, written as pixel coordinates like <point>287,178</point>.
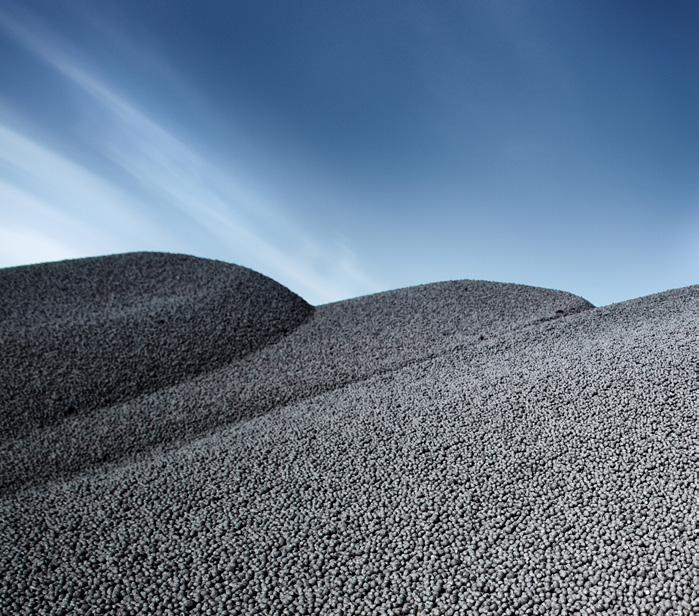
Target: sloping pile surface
<point>526,462</point>
<point>78,335</point>
<point>342,343</point>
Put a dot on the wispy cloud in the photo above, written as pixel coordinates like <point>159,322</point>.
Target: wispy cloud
<point>53,197</point>
<point>163,170</point>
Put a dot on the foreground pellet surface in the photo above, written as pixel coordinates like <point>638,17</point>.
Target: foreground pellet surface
<point>545,469</point>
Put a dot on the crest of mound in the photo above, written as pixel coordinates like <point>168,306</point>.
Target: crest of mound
<point>416,321</point>
<point>85,333</point>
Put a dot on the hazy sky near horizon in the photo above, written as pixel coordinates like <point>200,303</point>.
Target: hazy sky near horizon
<point>344,148</point>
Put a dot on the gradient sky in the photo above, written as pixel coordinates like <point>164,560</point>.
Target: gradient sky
<point>348,147</point>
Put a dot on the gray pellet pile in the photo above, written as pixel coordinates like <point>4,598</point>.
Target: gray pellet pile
<point>79,335</point>
<point>457,448</point>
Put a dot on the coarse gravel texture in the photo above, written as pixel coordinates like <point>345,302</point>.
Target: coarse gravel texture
<point>526,462</point>
<point>342,343</point>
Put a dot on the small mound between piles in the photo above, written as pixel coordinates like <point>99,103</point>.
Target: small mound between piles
<point>81,334</point>
<point>341,343</point>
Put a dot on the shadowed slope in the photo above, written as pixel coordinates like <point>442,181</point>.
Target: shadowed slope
<point>342,343</point>
<point>81,334</point>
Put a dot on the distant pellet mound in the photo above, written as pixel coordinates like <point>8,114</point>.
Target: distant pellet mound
<point>414,322</point>
<point>80,334</point>
<point>341,343</point>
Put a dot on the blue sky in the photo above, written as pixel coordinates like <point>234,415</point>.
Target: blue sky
<point>344,148</point>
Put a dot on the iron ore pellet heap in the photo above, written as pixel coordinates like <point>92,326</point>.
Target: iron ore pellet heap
<point>184,436</point>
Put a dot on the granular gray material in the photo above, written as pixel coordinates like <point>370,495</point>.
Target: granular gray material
<point>342,343</point>
<point>81,334</point>
<point>528,461</point>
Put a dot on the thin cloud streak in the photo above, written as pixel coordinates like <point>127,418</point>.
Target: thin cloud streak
<point>46,191</point>
<point>174,174</point>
